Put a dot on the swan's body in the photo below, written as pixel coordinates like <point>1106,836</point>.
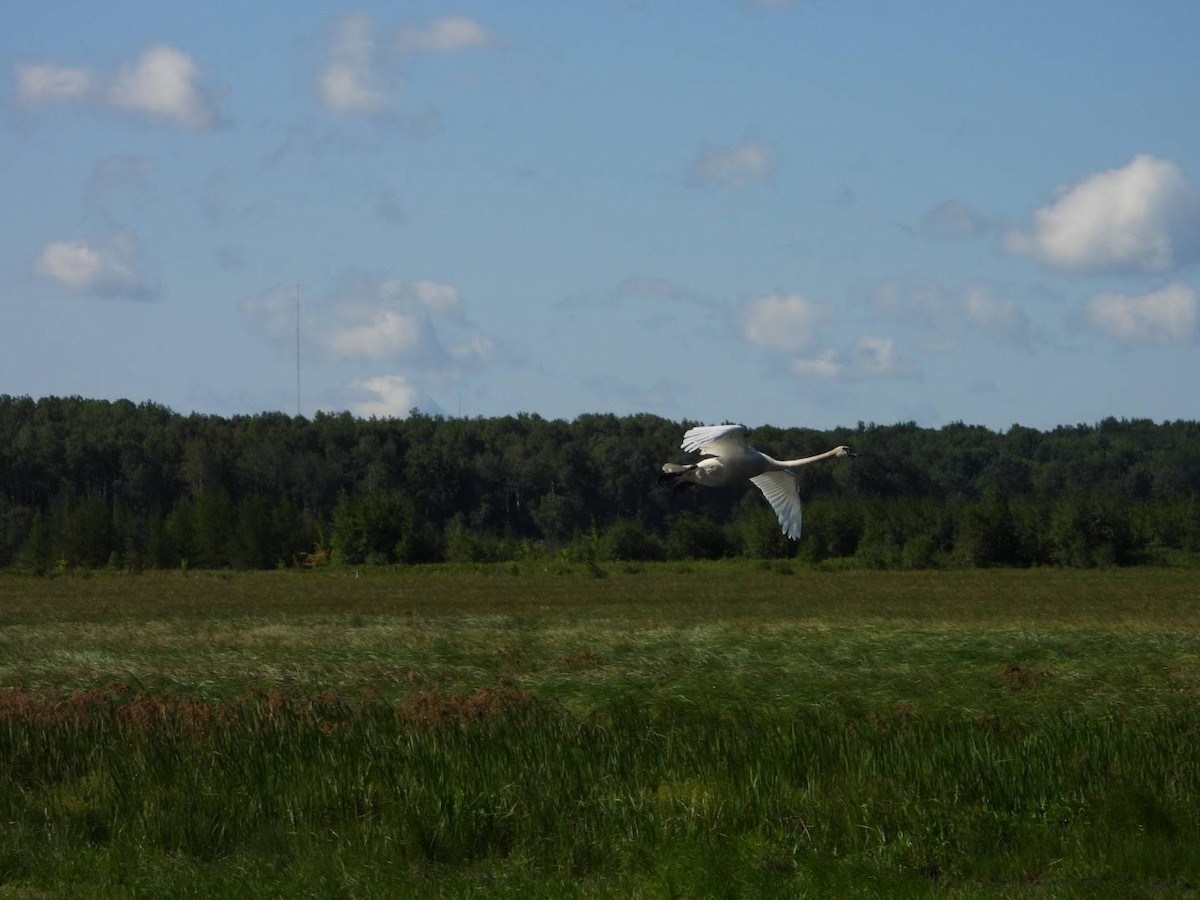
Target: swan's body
<point>730,460</point>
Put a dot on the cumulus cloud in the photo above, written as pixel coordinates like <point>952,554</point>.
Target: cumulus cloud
<point>417,326</point>
<point>105,270</point>
<point>784,323</point>
<point>825,364</point>
<point>1142,217</point>
<point>876,357</point>
<point>393,397</point>
<point>39,83</point>
<point>439,299</point>
<point>789,325</point>
<point>162,84</point>
<point>869,356</point>
<point>397,320</point>
<point>345,88</point>
<point>361,74</point>
<point>1167,316</point>
<point>378,333</point>
<point>474,350</point>
<point>744,163</point>
<point>352,81</point>
<point>368,320</point>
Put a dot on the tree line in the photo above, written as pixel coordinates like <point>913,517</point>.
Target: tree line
<point>94,483</point>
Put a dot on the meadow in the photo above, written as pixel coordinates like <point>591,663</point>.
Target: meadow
<point>660,730</point>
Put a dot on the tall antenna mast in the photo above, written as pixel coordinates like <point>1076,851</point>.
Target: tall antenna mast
<point>297,351</point>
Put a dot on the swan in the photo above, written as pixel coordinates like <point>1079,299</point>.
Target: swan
<point>730,460</point>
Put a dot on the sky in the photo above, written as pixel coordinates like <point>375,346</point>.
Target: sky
<point>808,213</point>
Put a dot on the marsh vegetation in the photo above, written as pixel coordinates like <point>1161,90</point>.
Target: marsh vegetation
<point>663,730</point>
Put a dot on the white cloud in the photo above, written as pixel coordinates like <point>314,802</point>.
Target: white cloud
<point>351,81</point>
<point>106,270</point>
<point>410,321</point>
<point>39,83</point>
<point>379,333</point>
<point>361,74</point>
<point>824,365</point>
<point>440,299</point>
<point>394,397</point>
<point>1143,217</point>
<point>447,35</point>
<point>163,84</point>
<point>415,330</point>
<point>790,324</point>
<point>474,350</point>
<point>1167,316</point>
<point>869,356</point>
<point>783,322</point>
<point>876,357</point>
<point>345,88</point>
<point>739,165</point>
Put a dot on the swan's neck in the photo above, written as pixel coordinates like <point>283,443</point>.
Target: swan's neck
<point>797,463</point>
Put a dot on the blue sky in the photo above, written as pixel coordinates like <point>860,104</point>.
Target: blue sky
<point>806,213</point>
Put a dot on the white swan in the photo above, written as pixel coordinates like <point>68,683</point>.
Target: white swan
<point>729,460</point>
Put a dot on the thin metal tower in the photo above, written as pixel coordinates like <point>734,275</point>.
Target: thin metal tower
<point>297,351</point>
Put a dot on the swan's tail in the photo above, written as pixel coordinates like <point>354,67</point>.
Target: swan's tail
<point>671,473</point>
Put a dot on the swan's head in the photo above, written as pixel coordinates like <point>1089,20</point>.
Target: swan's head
<point>843,451</point>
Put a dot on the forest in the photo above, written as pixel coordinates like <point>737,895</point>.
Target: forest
<point>88,484</point>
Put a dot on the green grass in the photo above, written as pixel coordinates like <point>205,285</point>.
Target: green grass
<point>665,731</point>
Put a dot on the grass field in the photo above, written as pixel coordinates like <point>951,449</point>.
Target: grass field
<point>663,731</point>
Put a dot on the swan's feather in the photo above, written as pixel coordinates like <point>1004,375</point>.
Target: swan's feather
<point>715,440</point>
<point>783,493</point>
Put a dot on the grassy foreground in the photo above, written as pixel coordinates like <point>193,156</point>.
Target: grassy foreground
<point>664,731</point>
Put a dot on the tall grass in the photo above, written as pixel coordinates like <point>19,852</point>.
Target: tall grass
<point>677,798</point>
<point>611,744</point>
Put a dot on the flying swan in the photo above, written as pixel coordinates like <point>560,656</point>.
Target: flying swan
<point>729,460</point>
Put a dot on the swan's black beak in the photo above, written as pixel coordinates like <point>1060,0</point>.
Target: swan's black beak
<point>851,452</point>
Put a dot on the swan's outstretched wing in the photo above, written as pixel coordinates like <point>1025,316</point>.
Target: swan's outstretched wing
<point>783,493</point>
<point>715,440</point>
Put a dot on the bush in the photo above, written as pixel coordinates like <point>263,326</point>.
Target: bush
<point>760,535</point>
<point>627,540</point>
<point>692,536</point>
